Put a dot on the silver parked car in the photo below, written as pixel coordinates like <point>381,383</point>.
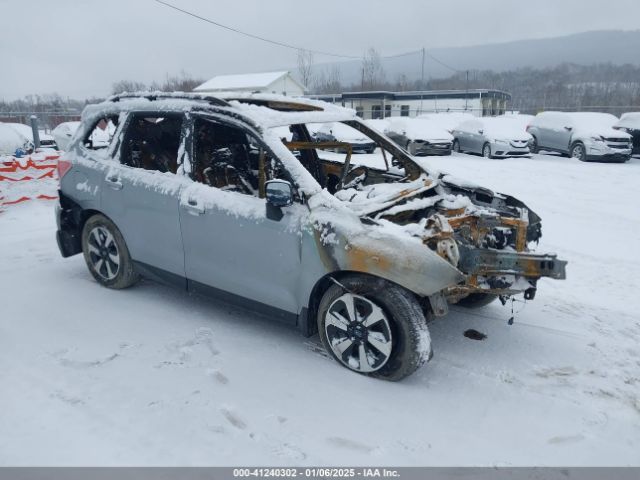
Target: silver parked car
<point>492,137</point>
<point>587,136</point>
<point>214,196</point>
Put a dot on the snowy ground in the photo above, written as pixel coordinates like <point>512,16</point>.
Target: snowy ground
<point>153,376</point>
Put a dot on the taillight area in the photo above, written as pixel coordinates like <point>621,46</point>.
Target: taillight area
<point>63,167</point>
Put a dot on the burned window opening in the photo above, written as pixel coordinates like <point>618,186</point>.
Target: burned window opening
<point>101,133</point>
<point>152,142</point>
<point>229,158</point>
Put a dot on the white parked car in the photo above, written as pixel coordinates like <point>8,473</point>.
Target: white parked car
<point>420,136</point>
<point>492,137</point>
<point>587,136</point>
<point>11,140</point>
<point>63,133</point>
<point>46,141</point>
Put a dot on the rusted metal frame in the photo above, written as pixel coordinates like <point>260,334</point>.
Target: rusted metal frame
<point>323,146</point>
<point>486,262</point>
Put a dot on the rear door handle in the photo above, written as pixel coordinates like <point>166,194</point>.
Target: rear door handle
<point>114,182</point>
<point>193,207</point>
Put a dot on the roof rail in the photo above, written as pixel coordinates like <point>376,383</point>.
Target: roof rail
<point>152,96</point>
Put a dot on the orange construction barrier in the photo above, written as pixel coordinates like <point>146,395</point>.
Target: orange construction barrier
<point>18,179</point>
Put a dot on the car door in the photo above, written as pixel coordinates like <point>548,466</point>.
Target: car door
<point>141,193</point>
<point>558,133</point>
<point>233,249</point>
<point>472,137</point>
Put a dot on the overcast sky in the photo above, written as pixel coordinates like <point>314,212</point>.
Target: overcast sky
<point>79,48</point>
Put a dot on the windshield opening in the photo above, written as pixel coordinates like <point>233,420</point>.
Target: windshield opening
<point>347,155</point>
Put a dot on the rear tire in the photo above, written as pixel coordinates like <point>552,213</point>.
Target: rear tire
<point>374,327</point>
<point>477,300</point>
<point>106,253</point>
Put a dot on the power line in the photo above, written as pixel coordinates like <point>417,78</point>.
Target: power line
<point>275,42</point>
<point>250,35</point>
<point>443,64</point>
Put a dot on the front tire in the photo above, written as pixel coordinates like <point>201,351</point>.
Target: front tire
<point>533,146</point>
<point>106,253</point>
<point>486,151</point>
<point>374,327</point>
<point>579,151</point>
<point>456,146</point>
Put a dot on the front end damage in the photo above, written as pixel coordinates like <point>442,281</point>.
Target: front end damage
<point>477,241</point>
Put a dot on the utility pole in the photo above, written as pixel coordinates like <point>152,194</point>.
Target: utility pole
<point>422,80</point>
<point>466,95</point>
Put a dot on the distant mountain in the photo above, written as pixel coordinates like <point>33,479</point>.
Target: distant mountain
<point>615,46</point>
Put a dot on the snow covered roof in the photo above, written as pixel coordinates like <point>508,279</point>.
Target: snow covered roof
<point>249,81</point>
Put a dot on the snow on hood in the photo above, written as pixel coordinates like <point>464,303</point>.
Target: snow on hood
<point>419,129</point>
<point>341,132</point>
<point>497,128</point>
<point>379,124</point>
<point>521,119</point>
<point>448,120</point>
<point>595,124</point>
<point>629,120</point>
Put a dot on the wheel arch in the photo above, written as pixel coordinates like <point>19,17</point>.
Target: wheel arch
<point>323,284</point>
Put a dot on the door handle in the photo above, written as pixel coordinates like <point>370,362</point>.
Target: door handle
<point>114,182</point>
<point>193,207</point>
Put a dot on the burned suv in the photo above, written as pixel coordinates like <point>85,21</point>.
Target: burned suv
<point>234,198</point>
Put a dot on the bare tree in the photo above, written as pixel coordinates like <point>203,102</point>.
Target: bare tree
<point>183,82</point>
<point>127,86</point>
<point>328,81</point>
<point>373,75</point>
<point>305,67</point>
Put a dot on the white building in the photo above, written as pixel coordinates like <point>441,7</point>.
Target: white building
<point>382,104</point>
<point>281,83</point>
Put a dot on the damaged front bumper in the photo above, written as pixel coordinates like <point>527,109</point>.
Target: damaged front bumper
<point>501,272</point>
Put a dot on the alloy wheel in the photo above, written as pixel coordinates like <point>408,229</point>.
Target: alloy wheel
<point>578,152</point>
<point>359,333</point>
<point>103,253</point>
<point>486,151</point>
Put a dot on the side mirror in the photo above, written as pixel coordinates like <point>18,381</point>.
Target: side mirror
<point>279,193</point>
<point>481,132</point>
<point>568,129</point>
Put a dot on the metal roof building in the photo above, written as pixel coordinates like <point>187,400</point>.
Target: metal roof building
<point>382,104</point>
